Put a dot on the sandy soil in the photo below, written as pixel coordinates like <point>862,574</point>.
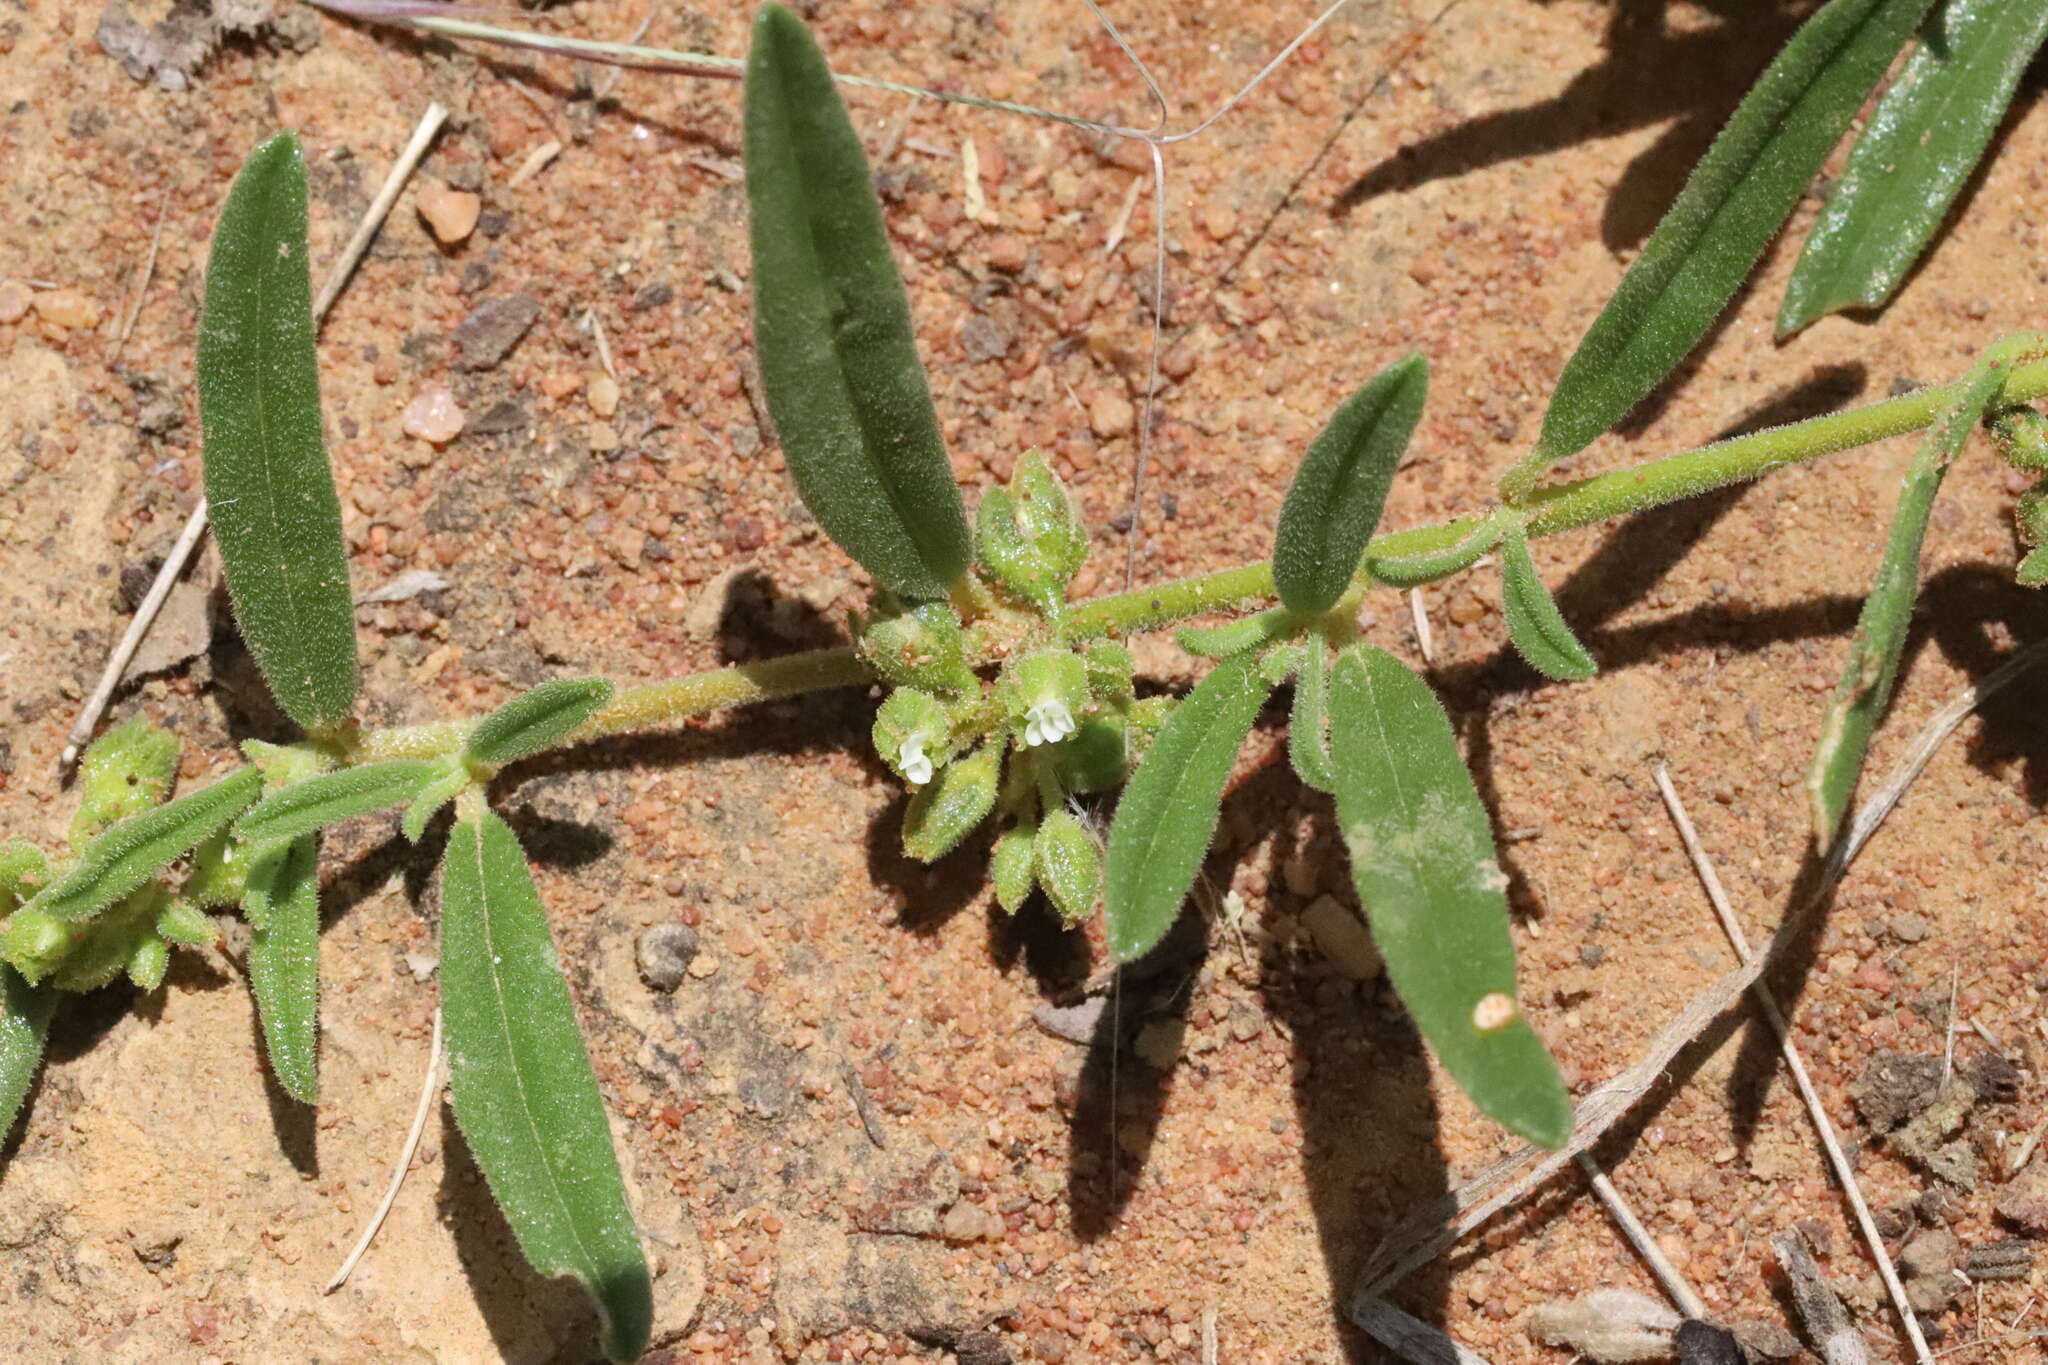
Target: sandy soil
<point>1271,1116</point>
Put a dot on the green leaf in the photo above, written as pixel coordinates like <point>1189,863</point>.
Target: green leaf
<point>1308,740</point>
<point>269,492</point>
<point>538,720</point>
<point>1535,624</point>
<point>1422,858</point>
<point>283,907</point>
<point>1168,813</point>
<point>524,1092</point>
<point>1067,862</point>
<point>1030,536</point>
<point>24,1025</point>
<point>832,328</point>
<point>454,776</point>
<point>139,847</point>
<point>1735,201</point>
<point>124,772</point>
<point>1235,637</point>
<point>945,810</point>
<point>23,872</point>
<point>1873,664</point>
<point>1913,156</point>
<point>286,813</point>
<point>1337,495</point>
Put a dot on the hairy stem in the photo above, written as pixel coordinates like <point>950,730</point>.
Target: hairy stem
<point>1550,511</point>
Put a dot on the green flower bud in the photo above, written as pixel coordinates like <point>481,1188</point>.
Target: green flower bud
<point>186,924</point>
<point>2032,514</point>
<point>1011,867</point>
<point>1029,536</point>
<point>1096,758</point>
<point>34,943</point>
<point>946,810</point>
<point>124,772</point>
<point>220,871</point>
<point>914,734</point>
<point>284,764</point>
<point>148,961</point>
<point>920,648</point>
<point>2022,436</point>
<point>1069,864</point>
<point>23,872</point>
<point>1111,672</point>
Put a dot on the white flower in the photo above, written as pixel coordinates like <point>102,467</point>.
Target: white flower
<point>912,760</point>
<point>1049,722</point>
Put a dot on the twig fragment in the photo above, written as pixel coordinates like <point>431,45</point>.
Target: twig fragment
<point>1820,1312</point>
<point>1775,1016</point>
<point>1408,1336</point>
<point>429,1086</point>
<point>156,238</point>
<point>1667,1274</point>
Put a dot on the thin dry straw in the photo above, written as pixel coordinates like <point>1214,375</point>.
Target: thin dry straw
<point>405,1155</point>
<point>1674,1284</point>
<point>195,523</point>
<point>1775,1016</point>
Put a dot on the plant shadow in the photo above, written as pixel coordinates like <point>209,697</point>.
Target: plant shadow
<point>518,1304</point>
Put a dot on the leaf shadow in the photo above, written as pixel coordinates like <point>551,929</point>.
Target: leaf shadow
<point>517,1302</point>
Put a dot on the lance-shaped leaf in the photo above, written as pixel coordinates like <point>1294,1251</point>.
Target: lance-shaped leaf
<point>447,784</point>
<point>832,328</point>
<point>1423,861</point>
<point>1734,202</point>
<point>524,1092</point>
<point>1412,571</point>
<point>287,813</point>
<point>1873,665</point>
<point>1168,813</point>
<point>1308,736</point>
<point>24,1025</point>
<point>1536,626</point>
<point>269,492</point>
<point>139,847</point>
<point>1913,156</point>
<point>283,905</point>
<point>1337,495</point>
<point>530,723</point>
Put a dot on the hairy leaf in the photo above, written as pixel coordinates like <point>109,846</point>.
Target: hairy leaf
<point>284,961</point>
<point>1735,201</point>
<point>24,1024</point>
<point>1913,156</point>
<point>1422,857</point>
<point>524,1092</point>
<point>945,810</point>
<point>832,328</point>
<point>1235,637</point>
<point>1068,863</point>
<point>453,776</point>
<point>1537,627</point>
<point>1168,812</point>
<point>537,720</point>
<point>1308,739</point>
<point>1337,495</point>
<point>269,492</point>
<point>141,846</point>
<point>1012,867</point>
<point>124,772</point>
<point>286,813</point>
<point>1873,665</point>
<point>1411,571</point>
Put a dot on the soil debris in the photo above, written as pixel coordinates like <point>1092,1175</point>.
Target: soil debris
<point>1702,1343</point>
<point>664,953</point>
<point>172,50</point>
<point>1894,1086</point>
<point>969,1345</point>
<point>493,328</point>
<point>1609,1325</point>
<point>2024,1202</point>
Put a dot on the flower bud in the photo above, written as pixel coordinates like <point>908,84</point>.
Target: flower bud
<point>1029,536</point>
<point>913,734</point>
<point>946,810</point>
<point>919,648</point>
<point>1048,691</point>
<point>1011,868</point>
<point>148,961</point>
<point>1069,864</point>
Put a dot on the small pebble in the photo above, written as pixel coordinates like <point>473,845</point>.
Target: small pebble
<point>1343,939</point>
<point>602,393</point>
<point>1910,927</point>
<point>1111,414</point>
<point>14,300</point>
<point>665,953</point>
<point>702,966</point>
<point>434,417</point>
<point>451,213</point>
<point>66,308</point>
<point>1219,220</point>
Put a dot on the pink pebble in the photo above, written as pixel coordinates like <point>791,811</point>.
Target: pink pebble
<point>433,416</point>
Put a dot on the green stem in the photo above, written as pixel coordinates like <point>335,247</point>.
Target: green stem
<point>1550,511</point>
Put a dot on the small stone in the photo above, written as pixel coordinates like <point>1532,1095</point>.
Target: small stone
<point>1341,936</point>
<point>1158,1043</point>
<point>702,967</point>
<point>603,437</point>
<point>14,300</point>
<point>983,338</point>
<point>1219,220</point>
<point>66,308</point>
<point>2024,1202</point>
<point>1008,252</point>
<point>1770,1340</point>
<point>493,328</point>
<point>1074,1023</point>
<point>1933,1252</point>
<point>602,393</point>
<point>451,213</point>
<point>1111,414</point>
<point>964,1222</point>
<point>434,417</point>
<point>1909,927</point>
<point>665,952</point>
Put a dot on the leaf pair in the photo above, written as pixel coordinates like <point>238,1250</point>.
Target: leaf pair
<point>1421,854</point>
<point>1735,201</point>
